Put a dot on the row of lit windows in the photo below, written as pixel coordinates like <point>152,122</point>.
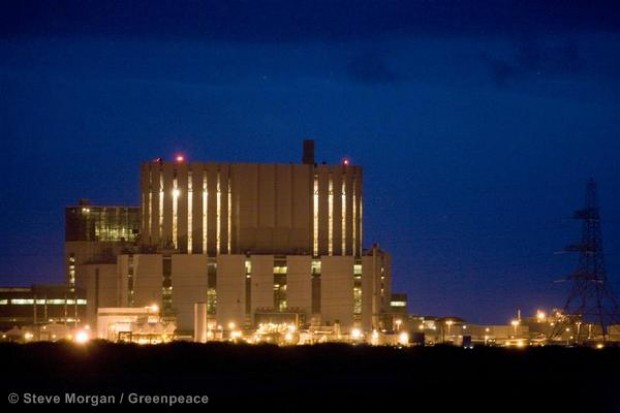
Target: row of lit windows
<point>330,216</point>
<point>111,233</point>
<point>31,301</point>
<point>176,194</point>
<point>280,270</point>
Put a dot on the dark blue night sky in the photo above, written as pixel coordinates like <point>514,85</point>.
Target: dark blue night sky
<point>478,125</point>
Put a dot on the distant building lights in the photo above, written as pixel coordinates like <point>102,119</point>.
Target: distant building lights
<point>398,323</point>
<point>82,337</point>
<point>374,338</point>
<point>403,338</point>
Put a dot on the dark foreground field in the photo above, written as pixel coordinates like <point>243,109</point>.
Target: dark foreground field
<point>318,378</point>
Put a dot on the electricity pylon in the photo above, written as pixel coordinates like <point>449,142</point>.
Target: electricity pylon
<point>591,306</point>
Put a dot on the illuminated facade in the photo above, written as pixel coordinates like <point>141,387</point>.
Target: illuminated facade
<point>248,289</point>
<point>97,234</point>
<point>40,305</point>
<point>256,243</point>
<point>216,208</point>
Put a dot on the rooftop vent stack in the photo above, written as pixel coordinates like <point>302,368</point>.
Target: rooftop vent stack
<point>308,156</point>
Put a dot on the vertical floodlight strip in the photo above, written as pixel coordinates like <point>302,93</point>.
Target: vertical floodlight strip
<point>218,220</point>
<point>343,202</point>
<point>229,213</point>
<point>205,198</point>
<point>354,216</point>
<point>150,203</point>
<point>330,217</point>
<point>315,213</point>
<point>361,224</point>
<point>161,205</point>
<point>190,193</point>
<point>175,212</point>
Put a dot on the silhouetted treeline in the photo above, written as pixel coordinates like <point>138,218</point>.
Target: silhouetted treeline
<point>278,379</point>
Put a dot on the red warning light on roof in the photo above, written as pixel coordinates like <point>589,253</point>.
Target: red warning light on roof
<point>180,158</point>
<point>345,162</point>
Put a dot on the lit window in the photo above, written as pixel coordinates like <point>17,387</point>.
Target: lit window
<point>229,209</point>
<point>354,218</point>
<point>175,213</point>
<point>357,300</point>
<point>161,205</point>
<point>218,220</point>
<point>22,301</point>
<point>330,217</point>
<point>190,209</point>
<point>315,212</point>
<point>205,198</point>
<point>343,202</point>
<point>316,266</point>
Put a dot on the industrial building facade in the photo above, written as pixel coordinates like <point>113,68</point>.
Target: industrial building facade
<point>246,290</point>
<point>97,234</point>
<point>39,305</point>
<point>237,208</point>
<point>254,242</point>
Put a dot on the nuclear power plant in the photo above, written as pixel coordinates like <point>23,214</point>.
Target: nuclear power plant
<point>264,252</point>
<point>221,246</point>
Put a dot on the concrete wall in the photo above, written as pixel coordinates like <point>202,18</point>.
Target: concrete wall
<point>262,282</point>
<point>299,283</point>
<point>189,282</point>
<point>337,291</point>
<point>231,289</point>
<point>102,285</point>
<point>148,278</point>
<point>189,286</point>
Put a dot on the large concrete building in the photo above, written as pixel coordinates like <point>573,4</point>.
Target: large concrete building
<point>249,208</point>
<point>255,242</point>
<point>97,234</point>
